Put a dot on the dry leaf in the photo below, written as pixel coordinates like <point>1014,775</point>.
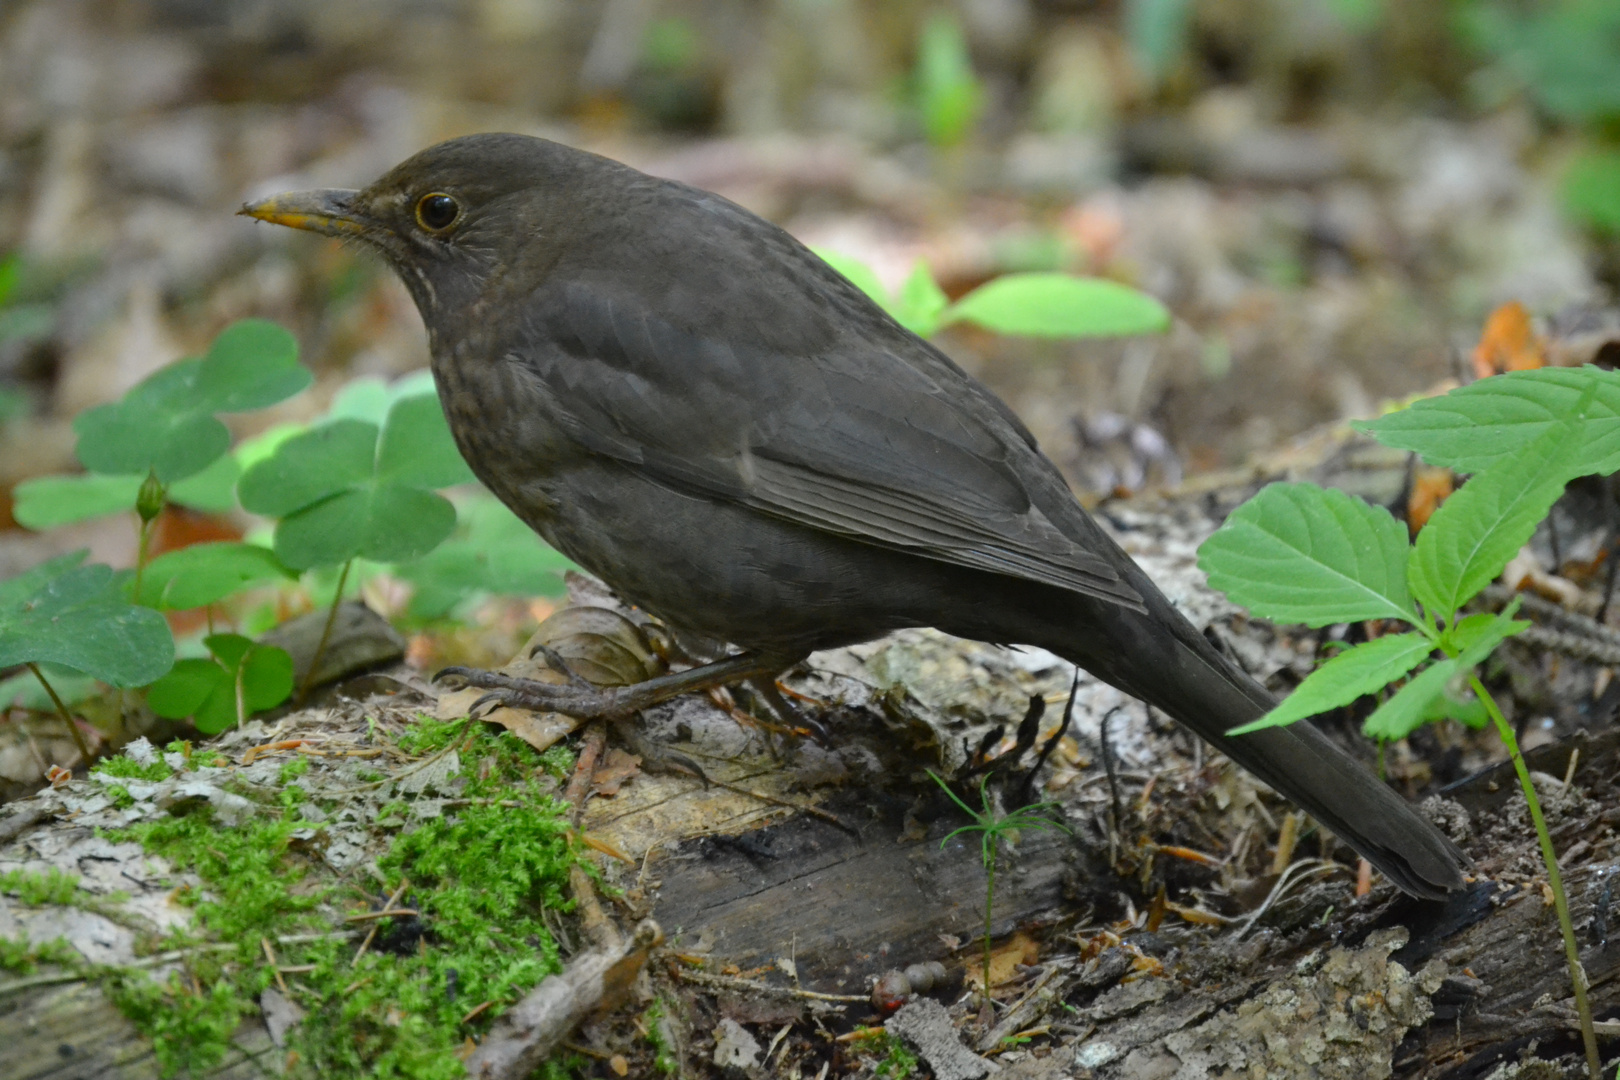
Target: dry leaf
<point>1020,949</point>
<point>616,768</point>
<point>1431,486</point>
<point>1509,343</point>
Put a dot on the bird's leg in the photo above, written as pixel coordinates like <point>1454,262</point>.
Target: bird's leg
<point>766,688</point>
<point>587,701</point>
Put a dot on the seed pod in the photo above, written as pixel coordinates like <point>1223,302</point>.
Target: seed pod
<point>895,987</point>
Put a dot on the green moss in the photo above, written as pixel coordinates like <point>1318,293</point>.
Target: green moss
<point>293,769</point>
<point>480,882</point>
<point>663,1053</point>
<point>898,1062</point>
<point>127,768</point>
<point>20,956</point>
<point>37,888</point>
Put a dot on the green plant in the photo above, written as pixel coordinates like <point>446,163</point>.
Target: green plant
<point>237,679</point>
<point>1033,304</point>
<point>947,95</point>
<point>77,616</point>
<point>992,826</point>
<point>491,552</point>
<point>898,1063</point>
<point>1297,553</point>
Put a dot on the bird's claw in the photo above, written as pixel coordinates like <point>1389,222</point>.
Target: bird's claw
<point>554,660</point>
<point>579,699</point>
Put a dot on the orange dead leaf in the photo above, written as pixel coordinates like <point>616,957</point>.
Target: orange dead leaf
<point>1509,343</point>
<point>1431,486</point>
<point>615,769</point>
<point>1020,949</point>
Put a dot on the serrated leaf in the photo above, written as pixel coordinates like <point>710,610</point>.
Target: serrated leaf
<point>859,275</point>
<point>1496,419</point>
<point>309,467</point>
<point>1060,306</point>
<point>382,522</point>
<point>77,616</point>
<point>48,501</point>
<point>1297,553</point>
<point>921,302</point>
<point>417,449</point>
<point>207,573</point>
<point>1410,706</point>
<point>1484,523</point>
<point>1351,674</point>
<point>252,364</point>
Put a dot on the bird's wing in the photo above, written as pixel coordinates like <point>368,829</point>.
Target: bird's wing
<point>859,439</point>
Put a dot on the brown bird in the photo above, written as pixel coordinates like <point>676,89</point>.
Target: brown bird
<point>686,401</point>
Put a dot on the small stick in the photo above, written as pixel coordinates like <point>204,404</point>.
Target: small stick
<point>731,982</point>
<point>275,965</point>
<point>475,1011</point>
<point>387,913</point>
<point>404,883</point>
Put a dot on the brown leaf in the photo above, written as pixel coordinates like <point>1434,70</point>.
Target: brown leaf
<point>615,769</point>
<point>1431,486</point>
<point>1509,343</point>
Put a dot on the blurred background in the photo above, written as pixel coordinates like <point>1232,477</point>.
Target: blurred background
<point>1330,195</point>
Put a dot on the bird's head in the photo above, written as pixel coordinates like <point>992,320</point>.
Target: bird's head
<point>450,219</point>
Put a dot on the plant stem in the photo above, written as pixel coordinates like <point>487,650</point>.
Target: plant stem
<point>141,554</point>
<point>989,902</point>
<point>326,632</point>
<point>67,717</point>
<point>1577,975</point>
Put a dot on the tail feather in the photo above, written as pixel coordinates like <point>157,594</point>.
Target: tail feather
<point>1183,674</point>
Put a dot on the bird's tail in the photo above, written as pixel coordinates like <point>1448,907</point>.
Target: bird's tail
<point>1185,675</point>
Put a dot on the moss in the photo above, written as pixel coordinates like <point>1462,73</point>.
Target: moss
<point>663,1053</point>
<point>480,882</point>
<point>127,768</point>
<point>898,1061</point>
<point>20,956</point>
<point>293,769</point>
<point>36,888</point>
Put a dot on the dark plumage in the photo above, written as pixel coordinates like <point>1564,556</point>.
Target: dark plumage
<point>691,405</point>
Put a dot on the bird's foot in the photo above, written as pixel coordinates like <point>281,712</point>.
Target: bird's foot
<point>576,698</point>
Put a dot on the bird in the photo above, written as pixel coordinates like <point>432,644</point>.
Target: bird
<point>693,406</point>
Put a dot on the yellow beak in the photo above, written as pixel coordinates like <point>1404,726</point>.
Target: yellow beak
<point>328,210</point>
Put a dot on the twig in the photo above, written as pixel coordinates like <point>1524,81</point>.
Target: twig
<point>732,982</point>
<point>527,1032</point>
<point>275,965</point>
<point>1289,878</point>
<point>805,808</point>
<point>388,913</point>
<point>404,883</point>
<point>21,821</point>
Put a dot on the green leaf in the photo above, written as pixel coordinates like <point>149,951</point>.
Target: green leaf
<point>1156,31</point>
<point>309,467</point>
<point>132,437</point>
<point>1297,553</point>
<point>206,690</point>
<point>1496,419</point>
<point>48,501</point>
<point>383,522</point>
<point>1591,190</point>
<point>166,423</point>
<point>492,551</point>
<point>859,275</point>
<point>207,573</point>
<point>948,94</point>
<point>1417,701</point>
<point>417,449</point>
<point>252,364</point>
<point>26,321</point>
<point>365,398</point>
<point>213,490</point>
<point>1353,673</point>
<point>1060,306</point>
<point>183,690</point>
<point>77,616</point>
<point>921,302</point>
<point>1485,522</point>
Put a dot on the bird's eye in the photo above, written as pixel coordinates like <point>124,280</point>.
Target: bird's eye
<point>437,211</point>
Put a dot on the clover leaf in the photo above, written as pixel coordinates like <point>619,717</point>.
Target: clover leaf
<point>492,551</point>
<point>202,574</point>
<point>166,423</point>
<point>78,616</point>
<point>349,488</point>
<point>241,677</point>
